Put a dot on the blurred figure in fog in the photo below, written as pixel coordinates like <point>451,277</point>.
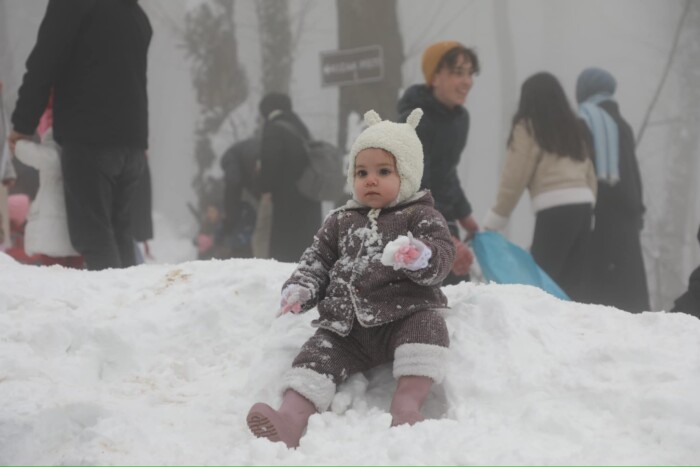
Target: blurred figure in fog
<point>240,164</point>
<point>689,302</point>
<point>449,69</point>
<point>93,54</point>
<point>283,157</point>
<point>7,179</point>
<point>142,215</point>
<point>617,275</point>
<point>549,154</point>
<point>208,239</point>
<point>46,231</point>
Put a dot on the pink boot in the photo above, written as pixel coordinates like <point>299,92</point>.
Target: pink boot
<point>411,392</point>
<point>286,424</point>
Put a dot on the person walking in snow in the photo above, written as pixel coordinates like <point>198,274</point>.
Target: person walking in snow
<point>617,276</point>
<point>374,271</point>
<point>283,157</point>
<point>448,68</point>
<point>549,154</point>
<point>93,54</point>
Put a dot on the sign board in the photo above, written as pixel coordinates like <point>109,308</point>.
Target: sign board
<point>352,66</point>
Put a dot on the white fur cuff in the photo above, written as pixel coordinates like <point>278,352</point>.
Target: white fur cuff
<point>420,360</point>
<point>317,388</point>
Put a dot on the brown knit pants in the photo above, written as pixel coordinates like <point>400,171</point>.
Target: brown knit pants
<point>339,357</point>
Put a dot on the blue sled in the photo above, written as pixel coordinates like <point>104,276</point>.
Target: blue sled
<point>504,262</point>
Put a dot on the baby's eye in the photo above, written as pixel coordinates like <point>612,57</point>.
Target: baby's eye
<point>361,173</point>
<point>385,171</point>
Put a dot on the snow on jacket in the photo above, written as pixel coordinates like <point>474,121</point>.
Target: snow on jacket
<point>343,269</point>
<point>47,226</point>
<point>552,180</point>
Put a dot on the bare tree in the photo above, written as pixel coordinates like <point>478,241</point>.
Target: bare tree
<point>275,44</point>
<point>673,232</point>
<point>363,23</point>
<point>219,79</point>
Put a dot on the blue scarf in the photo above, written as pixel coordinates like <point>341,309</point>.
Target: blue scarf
<point>605,137</point>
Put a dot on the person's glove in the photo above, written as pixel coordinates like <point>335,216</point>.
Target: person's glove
<point>463,258</point>
<point>294,296</point>
<point>406,252</point>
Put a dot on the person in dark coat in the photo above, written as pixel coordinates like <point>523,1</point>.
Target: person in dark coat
<point>283,157</point>
<point>617,276</point>
<point>241,193</point>
<point>689,302</point>
<point>448,69</point>
<point>93,53</point>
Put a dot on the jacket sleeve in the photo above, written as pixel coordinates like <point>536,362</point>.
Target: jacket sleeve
<point>313,271</point>
<point>462,207</point>
<point>271,150</point>
<point>430,227</point>
<point>53,48</point>
<point>591,177</point>
<point>520,165</point>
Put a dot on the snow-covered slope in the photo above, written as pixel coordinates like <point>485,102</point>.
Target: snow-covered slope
<point>158,364</point>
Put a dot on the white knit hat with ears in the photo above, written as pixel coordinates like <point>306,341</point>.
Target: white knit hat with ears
<point>401,140</point>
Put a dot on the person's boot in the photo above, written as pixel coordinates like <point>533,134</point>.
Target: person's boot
<point>286,424</point>
<point>411,393</point>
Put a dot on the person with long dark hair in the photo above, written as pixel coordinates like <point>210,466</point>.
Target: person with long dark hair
<point>549,154</point>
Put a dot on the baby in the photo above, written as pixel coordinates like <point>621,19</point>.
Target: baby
<point>374,271</point>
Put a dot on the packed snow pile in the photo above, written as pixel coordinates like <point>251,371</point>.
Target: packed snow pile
<point>159,364</point>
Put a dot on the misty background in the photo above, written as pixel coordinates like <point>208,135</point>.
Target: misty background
<point>211,61</point>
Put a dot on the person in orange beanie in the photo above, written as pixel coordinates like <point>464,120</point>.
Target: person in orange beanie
<point>448,68</point>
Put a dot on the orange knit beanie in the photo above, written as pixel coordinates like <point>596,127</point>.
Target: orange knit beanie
<point>432,56</point>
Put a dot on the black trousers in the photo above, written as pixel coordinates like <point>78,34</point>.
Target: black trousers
<point>100,185</point>
<point>561,245</point>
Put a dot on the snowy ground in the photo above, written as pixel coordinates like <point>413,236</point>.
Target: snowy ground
<point>158,364</point>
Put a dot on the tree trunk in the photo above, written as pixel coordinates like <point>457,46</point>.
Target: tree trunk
<point>678,224</point>
<point>363,23</point>
<point>275,45</point>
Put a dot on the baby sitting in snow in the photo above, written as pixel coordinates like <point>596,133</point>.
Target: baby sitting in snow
<point>374,271</point>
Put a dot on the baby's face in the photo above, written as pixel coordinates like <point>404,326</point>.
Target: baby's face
<point>377,180</point>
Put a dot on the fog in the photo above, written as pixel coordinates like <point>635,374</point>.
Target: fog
<point>633,39</point>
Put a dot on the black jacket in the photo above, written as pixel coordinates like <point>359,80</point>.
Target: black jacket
<point>689,302</point>
<point>443,132</point>
<point>283,157</point>
<point>93,54</point>
<point>618,276</point>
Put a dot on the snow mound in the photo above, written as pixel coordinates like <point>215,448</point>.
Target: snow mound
<point>158,364</point>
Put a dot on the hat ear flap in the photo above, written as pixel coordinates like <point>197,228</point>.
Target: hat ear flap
<point>372,118</point>
<point>414,118</point>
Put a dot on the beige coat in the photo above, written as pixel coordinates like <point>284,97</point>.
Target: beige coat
<point>552,180</point>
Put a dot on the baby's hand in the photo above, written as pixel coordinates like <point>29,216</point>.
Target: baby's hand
<point>406,252</point>
<point>293,298</point>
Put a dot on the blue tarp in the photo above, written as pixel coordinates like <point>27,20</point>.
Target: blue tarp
<point>504,262</point>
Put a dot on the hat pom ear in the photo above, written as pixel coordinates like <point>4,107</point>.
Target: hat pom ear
<point>414,118</point>
<point>372,118</point>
